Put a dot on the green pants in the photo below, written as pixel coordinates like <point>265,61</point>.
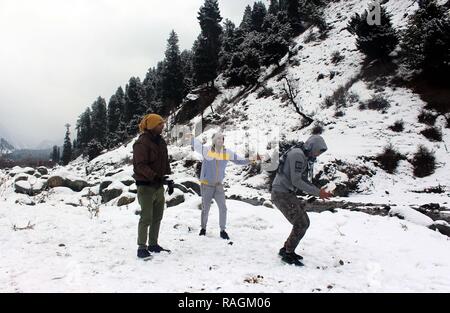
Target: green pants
<point>152,201</point>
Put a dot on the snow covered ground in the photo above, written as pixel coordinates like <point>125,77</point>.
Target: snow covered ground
<point>68,251</point>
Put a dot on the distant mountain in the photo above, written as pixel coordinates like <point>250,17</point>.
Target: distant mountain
<point>30,154</point>
<point>48,144</point>
<point>5,147</point>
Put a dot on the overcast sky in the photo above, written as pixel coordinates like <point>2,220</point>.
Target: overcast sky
<point>57,57</point>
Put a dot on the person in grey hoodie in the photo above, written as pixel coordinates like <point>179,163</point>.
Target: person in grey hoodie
<point>292,175</point>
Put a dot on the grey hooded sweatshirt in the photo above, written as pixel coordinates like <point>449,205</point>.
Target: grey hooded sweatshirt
<point>294,174</point>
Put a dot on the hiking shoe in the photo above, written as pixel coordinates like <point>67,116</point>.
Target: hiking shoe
<point>143,254</point>
<point>283,253</point>
<point>157,249</point>
<point>224,235</point>
<point>202,232</point>
<point>290,258</point>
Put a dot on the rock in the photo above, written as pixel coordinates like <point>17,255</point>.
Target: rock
<point>55,181</point>
<point>76,184</point>
<point>192,185</point>
<point>37,175</point>
<point>113,191</point>
<point>182,188</point>
<point>109,174</point>
<point>21,177</point>
<point>19,170</point>
<point>104,184</point>
<point>26,188</point>
<point>253,201</point>
<point>125,200</point>
<point>443,229</point>
<point>175,199</point>
<point>128,182</point>
<point>42,170</point>
<point>133,189</point>
<point>268,204</point>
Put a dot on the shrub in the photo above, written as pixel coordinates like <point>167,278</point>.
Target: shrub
<point>424,162</point>
<point>378,103</point>
<point>317,129</point>
<point>336,57</point>
<point>397,127</point>
<point>265,92</point>
<point>427,118</point>
<point>389,159</point>
<point>339,113</point>
<point>432,133</point>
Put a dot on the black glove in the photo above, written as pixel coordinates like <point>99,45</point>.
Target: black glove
<point>170,187</point>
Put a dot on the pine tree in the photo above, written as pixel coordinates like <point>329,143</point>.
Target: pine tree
<point>274,7</point>
<point>84,129</point>
<point>426,40</point>
<point>201,61</point>
<point>209,19</point>
<point>172,76</point>
<point>246,23</point>
<point>312,12</point>
<point>259,12</point>
<point>376,41</point>
<point>135,105</point>
<point>99,121</point>
<point>55,154</point>
<point>293,12</point>
<point>276,41</point>
<point>187,69</point>
<point>67,148</point>
<point>229,44</point>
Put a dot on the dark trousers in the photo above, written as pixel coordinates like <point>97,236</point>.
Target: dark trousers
<point>152,201</point>
<point>294,210</point>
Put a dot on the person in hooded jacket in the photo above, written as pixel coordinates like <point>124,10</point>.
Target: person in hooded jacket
<point>292,176</point>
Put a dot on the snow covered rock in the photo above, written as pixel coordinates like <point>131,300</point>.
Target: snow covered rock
<point>72,182</point>
<point>175,199</point>
<point>113,191</point>
<point>42,170</point>
<point>19,170</point>
<point>126,199</point>
<point>29,187</point>
<point>411,215</point>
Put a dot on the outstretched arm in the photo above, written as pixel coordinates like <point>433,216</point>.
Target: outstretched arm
<point>236,159</point>
<point>199,147</point>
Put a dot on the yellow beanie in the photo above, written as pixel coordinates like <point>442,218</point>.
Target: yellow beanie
<point>150,121</point>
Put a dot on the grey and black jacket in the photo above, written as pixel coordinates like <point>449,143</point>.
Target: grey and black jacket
<point>293,175</point>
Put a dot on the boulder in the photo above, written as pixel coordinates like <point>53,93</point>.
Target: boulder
<point>175,199</point>
<point>133,189</point>
<point>191,185</point>
<point>113,191</point>
<point>127,181</point>
<point>26,188</point>
<point>76,184</point>
<point>104,184</point>
<point>55,181</point>
<point>42,170</point>
<point>21,177</point>
<point>126,199</point>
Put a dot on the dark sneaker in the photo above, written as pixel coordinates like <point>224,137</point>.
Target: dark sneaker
<point>202,232</point>
<point>224,235</point>
<point>289,258</point>
<point>143,254</point>
<point>283,253</point>
<point>157,249</point>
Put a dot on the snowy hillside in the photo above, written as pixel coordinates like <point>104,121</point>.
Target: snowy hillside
<point>74,228</point>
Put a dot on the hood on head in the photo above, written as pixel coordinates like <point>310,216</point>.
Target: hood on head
<point>315,145</point>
